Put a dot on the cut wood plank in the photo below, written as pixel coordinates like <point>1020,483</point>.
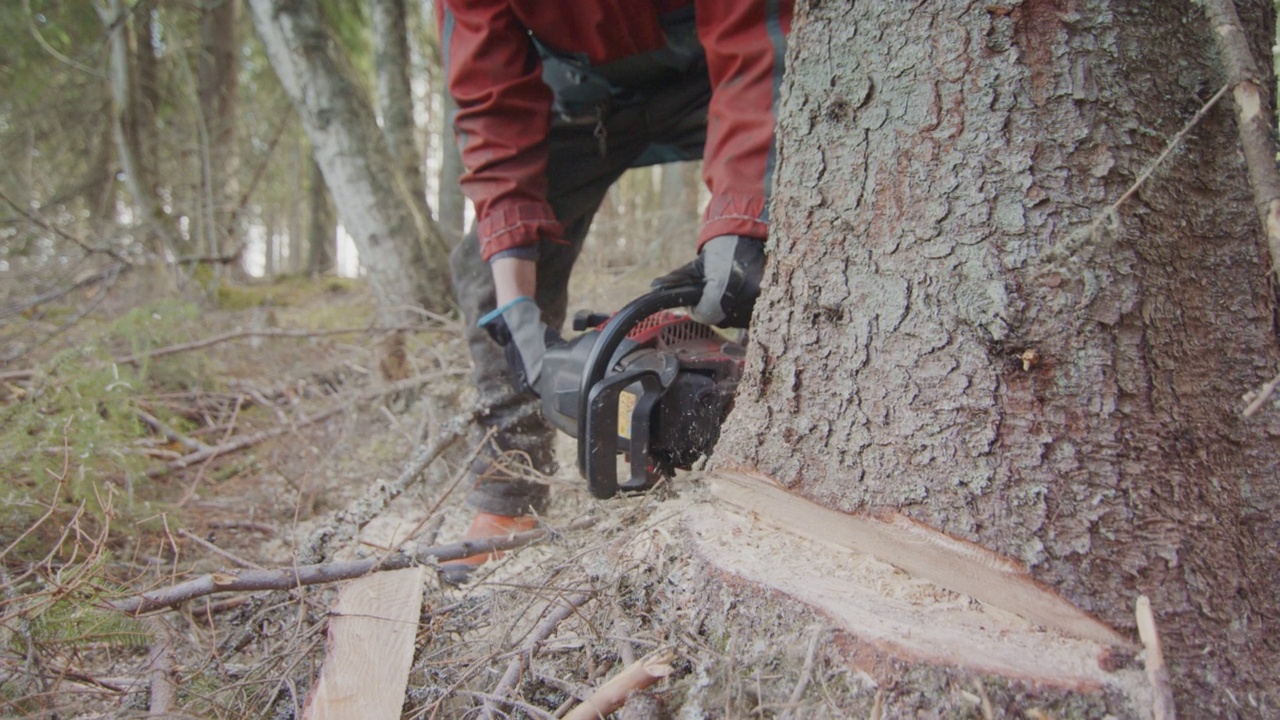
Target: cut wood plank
<point>371,632</point>
<point>917,549</point>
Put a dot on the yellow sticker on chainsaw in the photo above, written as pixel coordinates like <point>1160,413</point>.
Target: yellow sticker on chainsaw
<point>626,404</point>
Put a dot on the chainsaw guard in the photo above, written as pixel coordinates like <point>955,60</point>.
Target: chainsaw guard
<point>607,425</point>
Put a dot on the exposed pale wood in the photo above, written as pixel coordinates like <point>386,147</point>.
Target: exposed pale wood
<point>885,613</point>
<point>953,564</point>
<point>371,633</point>
<point>1162,707</point>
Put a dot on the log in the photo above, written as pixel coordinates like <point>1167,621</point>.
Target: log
<point>371,632</point>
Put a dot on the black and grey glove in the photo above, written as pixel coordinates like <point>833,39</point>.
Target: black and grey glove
<point>518,328</point>
<point>729,269</point>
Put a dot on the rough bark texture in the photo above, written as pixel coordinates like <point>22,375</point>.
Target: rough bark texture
<point>395,97</point>
<point>406,259</point>
<point>944,176</point>
<point>219,85</point>
<point>137,177</point>
<point>321,231</point>
<point>452,205</point>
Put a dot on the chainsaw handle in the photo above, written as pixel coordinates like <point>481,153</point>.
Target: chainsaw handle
<point>611,336</point>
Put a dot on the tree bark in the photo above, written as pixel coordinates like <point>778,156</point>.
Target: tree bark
<point>217,77</point>
<point>121,78</point>
<point>958,326</point>
<point>406,260</point>
<point>321,232</point>
<point>452,206</point>
<point>395,95</point>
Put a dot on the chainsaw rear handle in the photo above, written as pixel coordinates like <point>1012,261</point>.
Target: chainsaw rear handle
<point>606,344</point>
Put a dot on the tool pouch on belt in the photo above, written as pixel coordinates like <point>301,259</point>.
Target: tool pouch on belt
<point>585,92</point>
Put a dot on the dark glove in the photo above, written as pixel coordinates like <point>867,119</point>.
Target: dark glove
<point>518,328</point>
<point>729,269</point>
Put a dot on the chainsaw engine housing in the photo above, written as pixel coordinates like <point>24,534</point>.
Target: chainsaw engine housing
<point>660,400</point>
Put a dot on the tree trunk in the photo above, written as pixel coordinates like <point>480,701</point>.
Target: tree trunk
<point>148,86</point>
<point>680,212</point>
<point>321,231</point>
<point>406,259</point>
<point>148,215</point>
<point>395,96</point>
<point>218,82</point>
<point>956,326</point>
<point>452,206</point>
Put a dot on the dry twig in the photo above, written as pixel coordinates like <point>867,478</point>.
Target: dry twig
<point>295,577</point>
<point>250,440</point>
<point>611,696</point>
<point>511,678</point>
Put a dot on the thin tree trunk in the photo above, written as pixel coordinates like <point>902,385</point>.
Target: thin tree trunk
<point>321,231</point>
<point>406,259</point>
<point>451,206</point>
<point>957,325</point>
<point>395,95</point>
<point>679,211</point>
<point>147,88</point>
<point>217,77</point>
<point>120,74</point>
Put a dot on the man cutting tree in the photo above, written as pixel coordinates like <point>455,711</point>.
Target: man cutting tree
<point>555,101</point>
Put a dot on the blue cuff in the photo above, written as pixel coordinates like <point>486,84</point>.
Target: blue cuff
<point>526,252</point>
<point>496,313</point>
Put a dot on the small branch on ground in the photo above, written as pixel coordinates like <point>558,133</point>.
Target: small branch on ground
<point>160,670</point>
<point>295,577</point>
<point>506,687</point>
<point>805,673</point>
<point>245,441</point>
<point>226,554</point>
<point>613,694</point>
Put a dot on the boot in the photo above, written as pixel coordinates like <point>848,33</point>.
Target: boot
<point>484,526</point>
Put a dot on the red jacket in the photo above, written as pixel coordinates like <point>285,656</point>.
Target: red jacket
<point>504,108</point>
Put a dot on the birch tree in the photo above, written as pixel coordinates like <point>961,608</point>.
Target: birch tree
<point>406,259</point>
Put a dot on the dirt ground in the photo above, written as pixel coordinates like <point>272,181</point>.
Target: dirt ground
<point>638,581</point>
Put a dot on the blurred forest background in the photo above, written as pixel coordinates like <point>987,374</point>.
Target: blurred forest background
<point>195,371</point>
<point>193,364</point>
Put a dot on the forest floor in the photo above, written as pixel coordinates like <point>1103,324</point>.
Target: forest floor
<point>252,422</point>
<point>145,444</point>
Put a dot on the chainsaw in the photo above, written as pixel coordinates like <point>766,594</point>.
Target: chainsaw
<point>646,382</point>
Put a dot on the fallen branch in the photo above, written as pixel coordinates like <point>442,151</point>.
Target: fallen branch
<point>211,451</point>
<point>613,694</point>
<point>344,524</point>
<point>295,577</point>
<point>1253,118</point>
<point>161,668</point>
